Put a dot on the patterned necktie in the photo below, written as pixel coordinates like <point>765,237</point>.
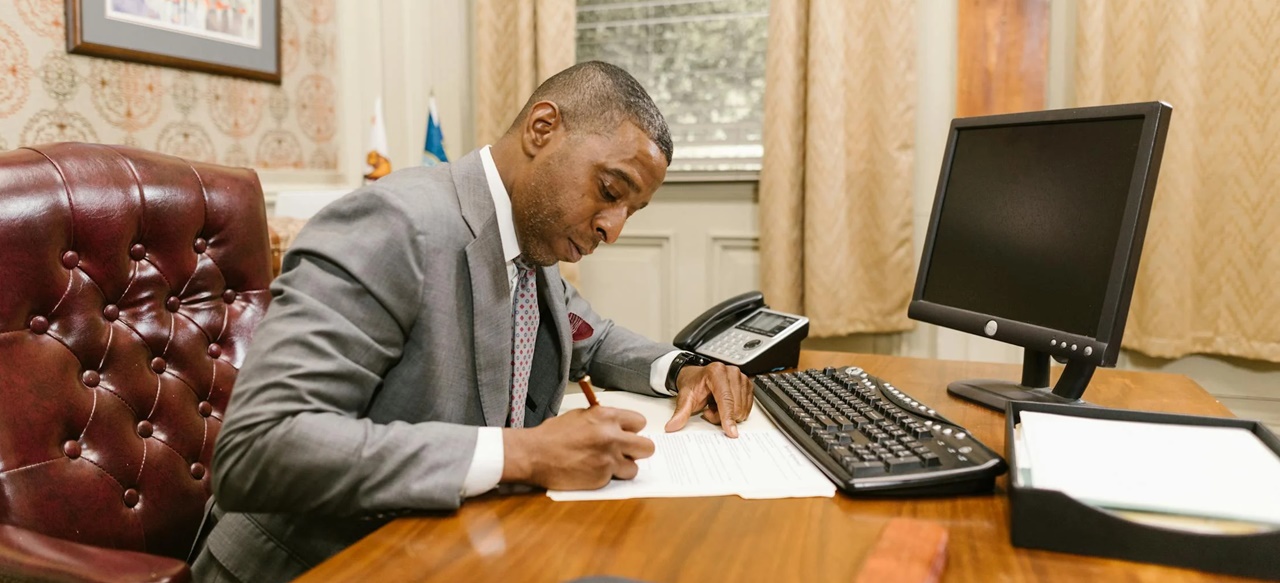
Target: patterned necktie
<point>524,326</point>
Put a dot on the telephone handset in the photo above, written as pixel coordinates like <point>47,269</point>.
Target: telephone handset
<point>744,332</point>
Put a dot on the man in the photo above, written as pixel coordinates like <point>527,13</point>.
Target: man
<point>420,338</point>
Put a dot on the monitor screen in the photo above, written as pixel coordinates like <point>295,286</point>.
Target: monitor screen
<point>1035,237</point>
<point>1031,219</point>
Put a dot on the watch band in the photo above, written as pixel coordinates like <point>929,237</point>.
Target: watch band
<point>682,360</point>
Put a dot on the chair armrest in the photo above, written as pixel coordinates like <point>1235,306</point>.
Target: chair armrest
<point>30,556</point>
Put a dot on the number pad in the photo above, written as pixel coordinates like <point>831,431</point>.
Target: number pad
<point>732,345</point>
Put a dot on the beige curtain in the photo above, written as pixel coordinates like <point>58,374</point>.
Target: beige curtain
<point>835,189</point>
<point>518,44</point>
<point>1209,281</point>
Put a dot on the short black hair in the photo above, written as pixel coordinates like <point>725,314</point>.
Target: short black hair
<point>595,97</point>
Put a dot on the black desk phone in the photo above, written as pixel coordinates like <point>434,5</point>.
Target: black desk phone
<point>744,332</point>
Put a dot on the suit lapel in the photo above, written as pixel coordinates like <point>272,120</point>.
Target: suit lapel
<point>490,296</point>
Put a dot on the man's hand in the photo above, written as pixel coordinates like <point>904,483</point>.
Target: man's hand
<point>723,391</point>
<point>579,450</point>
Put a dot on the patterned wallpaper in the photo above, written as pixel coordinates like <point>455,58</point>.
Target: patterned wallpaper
<point>47,95</point>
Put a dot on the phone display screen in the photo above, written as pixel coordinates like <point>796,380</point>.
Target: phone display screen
<point>766,323</point>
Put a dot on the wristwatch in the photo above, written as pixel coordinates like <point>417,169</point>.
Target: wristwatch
<point>682,360</point>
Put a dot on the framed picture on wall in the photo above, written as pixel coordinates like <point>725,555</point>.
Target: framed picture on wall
<point>226,37</point>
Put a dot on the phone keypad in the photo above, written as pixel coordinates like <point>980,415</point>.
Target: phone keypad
<point>733,346</point>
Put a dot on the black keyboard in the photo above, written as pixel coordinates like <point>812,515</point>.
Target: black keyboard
<point>871,438</point>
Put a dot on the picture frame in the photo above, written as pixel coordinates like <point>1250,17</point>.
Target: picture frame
<point>240,38</point>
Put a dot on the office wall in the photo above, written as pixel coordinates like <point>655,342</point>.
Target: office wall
<point>288,130</point>
<point>402,51</point>
<point>409,50</point>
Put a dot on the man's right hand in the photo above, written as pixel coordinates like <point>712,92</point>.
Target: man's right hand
<point>579,450</point>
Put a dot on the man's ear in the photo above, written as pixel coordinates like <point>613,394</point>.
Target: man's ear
<point>540,127</point>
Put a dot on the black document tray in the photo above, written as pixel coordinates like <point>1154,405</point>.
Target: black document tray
<point>1051,520</point>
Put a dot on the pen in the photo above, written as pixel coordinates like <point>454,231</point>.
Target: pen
<point>585,383</point>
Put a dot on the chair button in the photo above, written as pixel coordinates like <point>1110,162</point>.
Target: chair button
<point>39,324</point>
<point>71,448</point>
<point>111,312</point>
<point>90,378</point>
<point>200,245</point>
<point>158,365</point>
<point>197,470</point>
<point>172,304</point>
<point>70,259</point>
<point>205,408</point>
<point>144,429</point>
<point>229,296</point>
<point>138,252</point>
<point>215,351</point>
<point>131,497</point>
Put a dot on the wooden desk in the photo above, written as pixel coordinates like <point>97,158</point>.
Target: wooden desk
<point>531,538</point>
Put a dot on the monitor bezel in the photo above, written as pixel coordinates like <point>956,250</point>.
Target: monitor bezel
<point>1103,349</point>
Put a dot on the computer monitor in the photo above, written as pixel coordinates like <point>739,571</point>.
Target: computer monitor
<point>1035,236</point>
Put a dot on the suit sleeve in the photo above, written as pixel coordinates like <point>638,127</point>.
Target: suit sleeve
<point>295,439</point>
<point>615,357</point>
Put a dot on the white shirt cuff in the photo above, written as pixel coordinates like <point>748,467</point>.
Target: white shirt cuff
<point>658,373</point>
<point>486,463</point>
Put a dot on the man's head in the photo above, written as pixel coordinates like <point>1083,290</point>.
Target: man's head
<point>588,150</point>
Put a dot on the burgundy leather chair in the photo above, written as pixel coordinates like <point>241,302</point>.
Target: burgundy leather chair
<point>130,283</point>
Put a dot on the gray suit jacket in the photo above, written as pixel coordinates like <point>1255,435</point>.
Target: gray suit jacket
<point>387,342</point>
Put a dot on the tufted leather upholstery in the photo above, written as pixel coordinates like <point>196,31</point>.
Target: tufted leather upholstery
<point>130,283</point>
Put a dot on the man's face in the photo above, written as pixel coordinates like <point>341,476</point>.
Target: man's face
<point>580,190</point>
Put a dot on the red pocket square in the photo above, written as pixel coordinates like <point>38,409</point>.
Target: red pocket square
<point>581,329</point>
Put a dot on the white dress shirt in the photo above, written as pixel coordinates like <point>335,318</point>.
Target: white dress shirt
<point>486,463</point>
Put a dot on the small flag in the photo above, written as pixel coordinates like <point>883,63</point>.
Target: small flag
<point>433,150</point>
<point>376,160</point>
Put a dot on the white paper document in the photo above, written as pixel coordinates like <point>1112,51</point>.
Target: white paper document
<point>701,461</point>
<point>1216,472</point>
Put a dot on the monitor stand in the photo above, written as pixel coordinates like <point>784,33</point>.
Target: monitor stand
<point>996,394</point>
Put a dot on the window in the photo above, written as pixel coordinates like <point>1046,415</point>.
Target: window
<point>701,60</point>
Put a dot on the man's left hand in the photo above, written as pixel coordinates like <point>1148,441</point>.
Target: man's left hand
<point>721,392</point>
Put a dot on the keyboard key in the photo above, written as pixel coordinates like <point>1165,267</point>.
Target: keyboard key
<point>866,469</point>
<point>898,464</point>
